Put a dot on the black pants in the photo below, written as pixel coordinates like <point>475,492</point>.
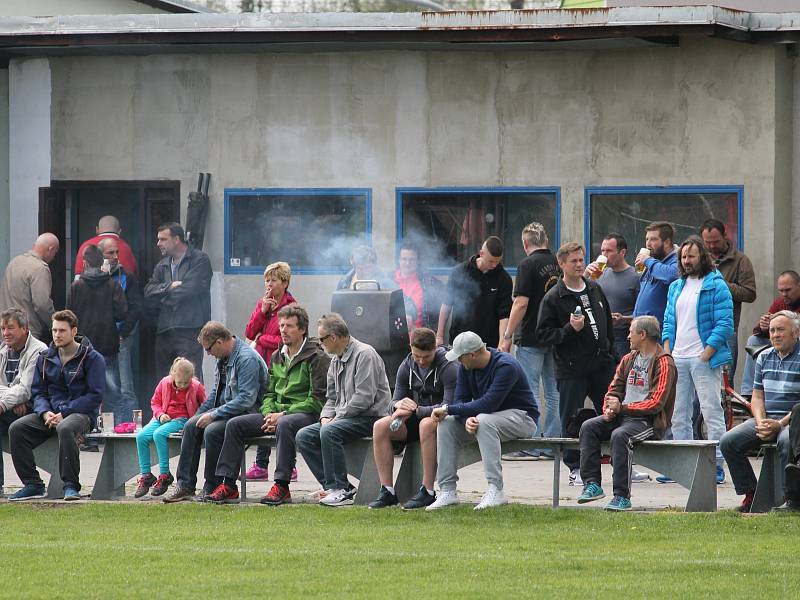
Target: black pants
<point>28,432</point>
<point>177,342</point>
<point>572,393</point>
<point>623,432</point>
<point>794,450</point>
<point>245,426</point>
<point>191,444</point>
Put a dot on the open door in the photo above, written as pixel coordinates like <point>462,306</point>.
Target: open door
<point>53,219</point>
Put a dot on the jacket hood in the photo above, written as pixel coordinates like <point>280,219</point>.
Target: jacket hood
<point>83,341</point>
<point>94,277</point>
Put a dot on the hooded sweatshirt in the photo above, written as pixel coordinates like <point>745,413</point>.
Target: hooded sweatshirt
<point>99,302</point>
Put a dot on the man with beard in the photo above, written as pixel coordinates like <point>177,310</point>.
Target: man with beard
<point>660,261</point>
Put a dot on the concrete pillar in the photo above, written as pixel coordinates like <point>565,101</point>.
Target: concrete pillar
<point>5,225</point>
<point>29,98</point>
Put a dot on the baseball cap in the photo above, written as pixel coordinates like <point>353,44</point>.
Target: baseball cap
<point>465,342</point>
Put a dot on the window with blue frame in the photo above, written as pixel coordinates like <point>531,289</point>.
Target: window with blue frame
<point>311,229</point>
<point>629,211</point>
<point>450,224</point>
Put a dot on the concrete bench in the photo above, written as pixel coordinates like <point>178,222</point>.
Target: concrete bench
<point>47,460</point>
<point>769,489</point>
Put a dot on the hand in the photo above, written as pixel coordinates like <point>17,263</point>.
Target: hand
<point>439,414</point>
<point>767,429</point>
<point>174,285</point>
<point>577,322</point>
<point>609,415</point>
<point>590,270</point>
<point>52,419</point>
<point>205,420</point>
<point>471,425</point>
<point>613,403</point>
<point>641,257</point>
<point>406,404</point>
<point>707,353</point>
<point>165,418</point>
<point>268,305</point>
<point>763,322</point>
<point>325,420</point>
<point>504,345</point>
<point>617,319</point>
<point>439,340</point>
<point>271,422</point>
<point>20,410</point>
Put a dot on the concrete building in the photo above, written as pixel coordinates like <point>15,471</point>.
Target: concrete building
<point>455,125</point>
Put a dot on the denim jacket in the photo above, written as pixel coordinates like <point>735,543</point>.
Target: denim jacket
<point>245,384</point>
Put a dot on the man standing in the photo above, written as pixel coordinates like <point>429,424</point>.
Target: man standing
<point>422,292</point>
<point>357,395</point>
<point>638,406</point>
<point>18,354</point>
<point>792,470</point>
<point>478,296</point>
<point>241,382</point>
<point>537,273</point>
<point>660,262</point>
<point>576,319</point>
<point>67,390</point>
<point>295,395</point>
<point>697,323</point>
<point>776,392</point>
<point>108,227</point>
<point>493,403</point>
<point>181,290</point>
<point>737,270</point>
<point>27,284</point>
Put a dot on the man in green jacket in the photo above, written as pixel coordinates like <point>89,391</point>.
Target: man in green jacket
<point>295,395</point>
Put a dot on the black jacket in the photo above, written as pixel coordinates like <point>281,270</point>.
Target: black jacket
<point>99,302</point>
<point>576,352</point>
<point>189,304</point>
<point>437,388</point>
<point>130,285</point>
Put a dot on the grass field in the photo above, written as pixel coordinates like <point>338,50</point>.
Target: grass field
<point>126,550</point>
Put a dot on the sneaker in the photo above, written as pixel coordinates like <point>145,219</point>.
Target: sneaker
<point>492,497</point>
<point>224,494</point>
<point>318,495</point>
<point>144,484</point>
<point>162,483</point>
<point>747,502</point>
<point>30,491</point>
<point>71,493</point>
<point>448,498</point>
<point>788,506</point>
<point>294,475</point>
<point>605,459</point>
<point>639,475</point>
<point>546,456</point>
<point>720,475</point>
<point>179,495</point>
<point>522,455</point>
<point>90,448</point>
<point>257,473</point>
<point>575,477</point>
<point>591,491</point>
<point>276,495</point>
<point>420,500</point>
<point>337,498</point>
<point>384,499</point>
<point>664,479</point>
<point>791,476</point>
<point>619,503</point>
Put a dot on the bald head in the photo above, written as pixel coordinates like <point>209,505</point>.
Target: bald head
<point>46,247</point>
<point>110,249</point>
<point>108,224</point>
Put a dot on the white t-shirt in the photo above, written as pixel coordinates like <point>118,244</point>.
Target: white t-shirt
<point>687,338</point>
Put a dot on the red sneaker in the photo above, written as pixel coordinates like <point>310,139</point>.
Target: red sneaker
<point>146,481</point>
<point>747,502</point>
<point>224,494</point>
<point>276,495</point>
<point>164,481</point>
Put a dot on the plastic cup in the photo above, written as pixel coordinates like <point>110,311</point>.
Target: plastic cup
<point>108,422</point>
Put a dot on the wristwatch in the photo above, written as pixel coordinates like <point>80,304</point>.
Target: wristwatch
<point>444,408</point>
<point>507,336</point>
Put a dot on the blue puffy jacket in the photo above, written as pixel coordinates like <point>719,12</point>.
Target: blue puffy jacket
<point>714,316</point>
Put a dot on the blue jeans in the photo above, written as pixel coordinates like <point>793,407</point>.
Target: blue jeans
<point>126,379</point>
<point>538,363</point>
<point>6,419</point>
<point>158,434</point>
<point>191,443</point>
<point>733,346</point>
<point>112,399</point>
<point>695,375</point>
<point>750,364</point>
<point>740,440</point>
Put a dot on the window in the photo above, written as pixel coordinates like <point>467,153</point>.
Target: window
<point>629,210</point>
<point>311,229</point>
<point>449,225</point>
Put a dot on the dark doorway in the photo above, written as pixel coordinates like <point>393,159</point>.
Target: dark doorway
<point>71,209</point>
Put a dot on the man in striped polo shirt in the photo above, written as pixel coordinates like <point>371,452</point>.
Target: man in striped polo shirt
<point>776,389</point>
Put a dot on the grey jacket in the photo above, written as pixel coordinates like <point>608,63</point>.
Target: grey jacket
<point>357,384</point>
<point>27,285</point>
<point>18,391</point>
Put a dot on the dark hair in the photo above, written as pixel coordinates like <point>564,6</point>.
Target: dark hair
<point>296,311</point>
<point>423,339</point>
<point>710,224</point>
<point>15,314</point>
<point>622,243</point>
<point>175,230</point>
<point>494,245</point>
<point>791,273</point>
<point>409,246</point>
<point>665,230</point>
<point>93,256</point>
<point>706,264</point>
<point>568,249</point>
<point>66,316</point>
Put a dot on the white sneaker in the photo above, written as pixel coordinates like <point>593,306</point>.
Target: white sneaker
<point>639,475</point>
<point>575,477</point>
<point>492,497</point>
<point>444,499</point>
<point>337,498</point>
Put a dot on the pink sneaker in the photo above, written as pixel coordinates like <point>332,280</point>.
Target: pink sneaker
<point>294,474</point>
<point>256,473</point>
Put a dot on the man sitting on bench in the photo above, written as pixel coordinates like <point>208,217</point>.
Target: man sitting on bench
<point>791,481</point>
<point>637,406</point>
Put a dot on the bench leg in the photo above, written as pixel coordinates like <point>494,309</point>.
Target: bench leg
<point>47,460</point>
<point>120,463</point>
<point>361,465</point>
<point>409,477</point>
<point>692,467</point>
<point>243,474</point>
<point>556,475</point>
<point>768,488</point>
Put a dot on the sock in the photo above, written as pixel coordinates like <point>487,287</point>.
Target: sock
<point>430,492</point>
<point>230,481</point>
<point>389,489</point>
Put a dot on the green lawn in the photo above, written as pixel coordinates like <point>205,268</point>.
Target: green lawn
<point>129,550</point>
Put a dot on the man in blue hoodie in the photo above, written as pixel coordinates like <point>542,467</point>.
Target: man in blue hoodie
<point>493,403</point>
<point>660,264</point>
<point>67,390</point>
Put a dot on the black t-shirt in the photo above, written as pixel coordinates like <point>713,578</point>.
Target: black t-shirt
<point>537,273</point>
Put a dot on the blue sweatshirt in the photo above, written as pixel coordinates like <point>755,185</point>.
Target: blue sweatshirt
<point>500,385</point>
<point>653,286</point>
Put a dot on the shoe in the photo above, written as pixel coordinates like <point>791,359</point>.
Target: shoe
<point>639,475</point>
<point>492,497</point>
<point>294,475</point>
<point>224,494</point>
<point>720,475</point>
<point>179,495</point>
<point>276,495</point>
<point>605,459</point>
<point>162,483</point>
<point>384,499</point>
<point>664,479</point>
<point>546,456</point>
<point>575,477</point>
<point>619,503</point>
<point>30,491</point>
<point>318,495</point>
<point>791,476</point>
<point>420,500</point>
<point>350,492</point>
<point>90,448</point>
<point>747,502</point>
<point>337,498</point>
<point>448,498</point>
<point>257,473</point>
<point>591,491</point>
<point>788,506</point>
<point>71,493</point>
<point>144,484</point>
<point>522,455</point>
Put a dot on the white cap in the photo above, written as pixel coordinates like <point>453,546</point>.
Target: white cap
<point>465,342</point>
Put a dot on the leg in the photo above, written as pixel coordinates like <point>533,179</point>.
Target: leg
<point>735,445</point>
<point>189,460</point>
<point>450,437</point>
<point>286,443</point>
<point>750,364</point>
<point>112,398</point>
<point>552,420</point>
<point>213,437</point>
<point>25,434</point>
<point>598,386</point>
<point>6,419</point>
<point>784,449</point>
<point>623,438</point>
<point>262,457</point>
<point>308,443</point>
<point>126,381</point>
<point>684,396</point>
<point>165,352</point>
<point>733,346</point>
<point>143,439</point>
<point>571,396</point>
<point>495,428</point>
<point>593,433</point>
<point>236,431</point>
<point>708,383</point>
<point>382,448</point>
<point>333,436</point>
<point>161,440</point>
<point>794,435</point>
<point>427,443</point>
<point>69,455</point>
<point>186,344</point>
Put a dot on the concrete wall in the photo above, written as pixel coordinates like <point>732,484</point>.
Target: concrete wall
<point>46,8</point>
<point>703,113</point>
<point>5,225</point>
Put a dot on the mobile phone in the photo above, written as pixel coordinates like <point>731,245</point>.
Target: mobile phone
<point>577,312</point>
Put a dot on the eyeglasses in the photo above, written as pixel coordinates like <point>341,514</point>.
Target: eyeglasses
<point>325,337</point>
<point>210,346</point>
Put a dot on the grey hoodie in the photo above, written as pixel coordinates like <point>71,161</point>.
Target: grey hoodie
<point>357,384</point>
